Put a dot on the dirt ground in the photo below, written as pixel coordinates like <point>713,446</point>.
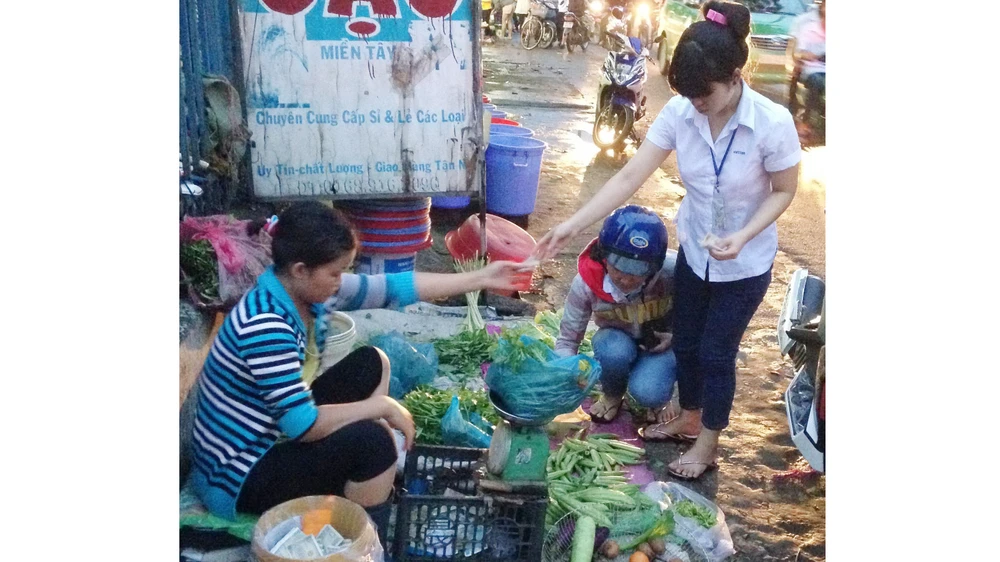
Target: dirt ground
<point>770,517</point>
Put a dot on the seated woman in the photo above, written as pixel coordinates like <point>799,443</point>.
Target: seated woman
<point>262,436</point>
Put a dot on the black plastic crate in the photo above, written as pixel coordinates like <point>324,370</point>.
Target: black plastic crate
<point>443,515</point>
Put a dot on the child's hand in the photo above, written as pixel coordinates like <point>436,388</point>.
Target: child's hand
<point>507,275</point>
<point>664,339</point>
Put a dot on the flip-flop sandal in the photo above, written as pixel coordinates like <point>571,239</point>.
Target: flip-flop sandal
<point>664,436</point>
<point>609,415</point>
<point>708,466</point>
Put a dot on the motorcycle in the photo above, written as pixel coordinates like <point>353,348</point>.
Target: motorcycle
<point>620,101</point>
<point>639,20</point>
<point>802,337</point>
<point>574,33</point>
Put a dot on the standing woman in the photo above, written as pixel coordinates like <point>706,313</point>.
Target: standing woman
<point>738,156</point>
<point>521,9</point>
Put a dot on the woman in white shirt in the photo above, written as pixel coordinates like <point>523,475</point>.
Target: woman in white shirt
<point>738,156</point>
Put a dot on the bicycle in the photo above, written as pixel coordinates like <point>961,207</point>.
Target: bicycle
<point>538,28</point>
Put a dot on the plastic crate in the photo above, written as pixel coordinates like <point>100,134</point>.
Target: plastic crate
<point>442,515</point>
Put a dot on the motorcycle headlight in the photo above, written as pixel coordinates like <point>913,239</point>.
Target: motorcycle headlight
<point>643,10</point>
<point>596,6</point>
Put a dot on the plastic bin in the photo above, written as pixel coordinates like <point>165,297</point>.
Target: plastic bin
<point>499,121</point>
<point>451,202</point>
<point>339,343</point>
<point>373,264</point>
<point>434,523</point>
<point>513,166</point>
<point>510,130</point>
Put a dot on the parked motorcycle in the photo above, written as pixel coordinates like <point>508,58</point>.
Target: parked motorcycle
<point>802,337</point>
<point>620,101</point>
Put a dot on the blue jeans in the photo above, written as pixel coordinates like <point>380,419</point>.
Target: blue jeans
<point>709,321</point>
<point>649,377</point>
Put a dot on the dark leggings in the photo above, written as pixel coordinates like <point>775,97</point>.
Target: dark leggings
<point>815,85</point>
<point>356,452</point>
<point>709,321</point>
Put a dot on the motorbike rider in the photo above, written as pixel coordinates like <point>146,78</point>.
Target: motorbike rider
<point>810,54</point>
<point>616,27</point>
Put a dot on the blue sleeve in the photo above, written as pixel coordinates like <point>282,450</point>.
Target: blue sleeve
<point>298,420</point>
<point>401,288</point>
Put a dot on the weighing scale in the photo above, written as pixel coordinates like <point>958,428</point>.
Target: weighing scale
<point>518,454</point>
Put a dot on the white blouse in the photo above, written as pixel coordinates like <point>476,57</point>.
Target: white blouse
<point>766,141</point>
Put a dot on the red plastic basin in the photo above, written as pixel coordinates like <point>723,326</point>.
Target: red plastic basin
<point>502,121</point>
<point>504,241</point>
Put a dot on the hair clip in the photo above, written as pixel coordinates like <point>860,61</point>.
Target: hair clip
<point>271,224</point>
<point>718,18</point>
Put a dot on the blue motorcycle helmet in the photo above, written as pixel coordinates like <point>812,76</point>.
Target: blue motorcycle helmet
<point>634,240</point>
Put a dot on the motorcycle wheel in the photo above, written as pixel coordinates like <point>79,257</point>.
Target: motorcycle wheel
<point>612,126</point>
<point>584,39</point>
<point>570,42</point>
<point>531,34</point>
<point>548,35</point>
<point>663,57</point>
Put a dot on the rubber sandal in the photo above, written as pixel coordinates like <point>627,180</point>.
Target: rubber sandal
<point>613,411</point>
<point>665,436</point>
<point>708,466</point>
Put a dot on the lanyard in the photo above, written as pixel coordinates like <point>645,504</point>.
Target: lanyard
<point>718,168</point>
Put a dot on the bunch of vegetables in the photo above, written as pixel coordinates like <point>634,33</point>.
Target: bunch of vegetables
<point>428,405</point>
<point>549,322</point>
<point>584,477</point>
<point>463,353</point>
<point>473,320</point>
<point>201,267</point>
<point>702,515</point>
<point>537,347</point>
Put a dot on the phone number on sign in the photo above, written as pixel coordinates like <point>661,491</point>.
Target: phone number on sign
<point>356,186</point>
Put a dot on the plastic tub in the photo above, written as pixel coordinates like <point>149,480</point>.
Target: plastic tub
<point>486,99</point>
<point>501,121</point>
<point>450,202</point>
<point>499,113</point>
<point>346,517</point>
<point>513,166</point>
<point>342,334</point>
<point>510,130</point>
<point>373,264</point>
<point>489,107</point>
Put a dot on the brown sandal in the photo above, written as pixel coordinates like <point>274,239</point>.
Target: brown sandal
<point>644,434</point>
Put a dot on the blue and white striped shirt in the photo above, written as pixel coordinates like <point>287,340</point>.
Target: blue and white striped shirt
<point>251,392</point>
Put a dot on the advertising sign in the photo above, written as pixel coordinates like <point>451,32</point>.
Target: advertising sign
<point>354,99</point>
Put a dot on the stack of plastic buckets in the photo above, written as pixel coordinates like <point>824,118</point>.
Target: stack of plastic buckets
<point>513,167</point>
<point>391,232</point>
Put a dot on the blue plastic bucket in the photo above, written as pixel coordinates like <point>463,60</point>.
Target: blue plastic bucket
<point>373,264</point>
<point>451,202</point>
<point>500,113</point>
<point>489,108</point>
<point>510,130</point>
<point>513,166</point>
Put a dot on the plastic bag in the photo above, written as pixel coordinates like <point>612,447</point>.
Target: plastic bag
<point>412,364</point>
<point>457,431</point>
<point>535,383</point>
<point>716,543</point>
<point>242,257</point>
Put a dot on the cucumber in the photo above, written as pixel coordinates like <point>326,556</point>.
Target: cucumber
<point>583,540</point>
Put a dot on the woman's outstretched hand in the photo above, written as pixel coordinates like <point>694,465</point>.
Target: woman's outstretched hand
<point>508,275</point>
<point>553,241</point>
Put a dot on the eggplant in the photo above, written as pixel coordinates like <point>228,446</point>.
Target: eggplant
<point>602,535</point>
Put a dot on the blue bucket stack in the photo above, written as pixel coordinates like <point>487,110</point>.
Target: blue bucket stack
<point>513,168</point>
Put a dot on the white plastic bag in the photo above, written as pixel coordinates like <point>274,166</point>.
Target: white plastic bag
<point>715,542</point>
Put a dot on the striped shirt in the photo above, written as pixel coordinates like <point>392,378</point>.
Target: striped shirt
<point>251,392</point>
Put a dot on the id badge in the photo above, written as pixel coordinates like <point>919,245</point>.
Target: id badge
<point>718,213</point>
